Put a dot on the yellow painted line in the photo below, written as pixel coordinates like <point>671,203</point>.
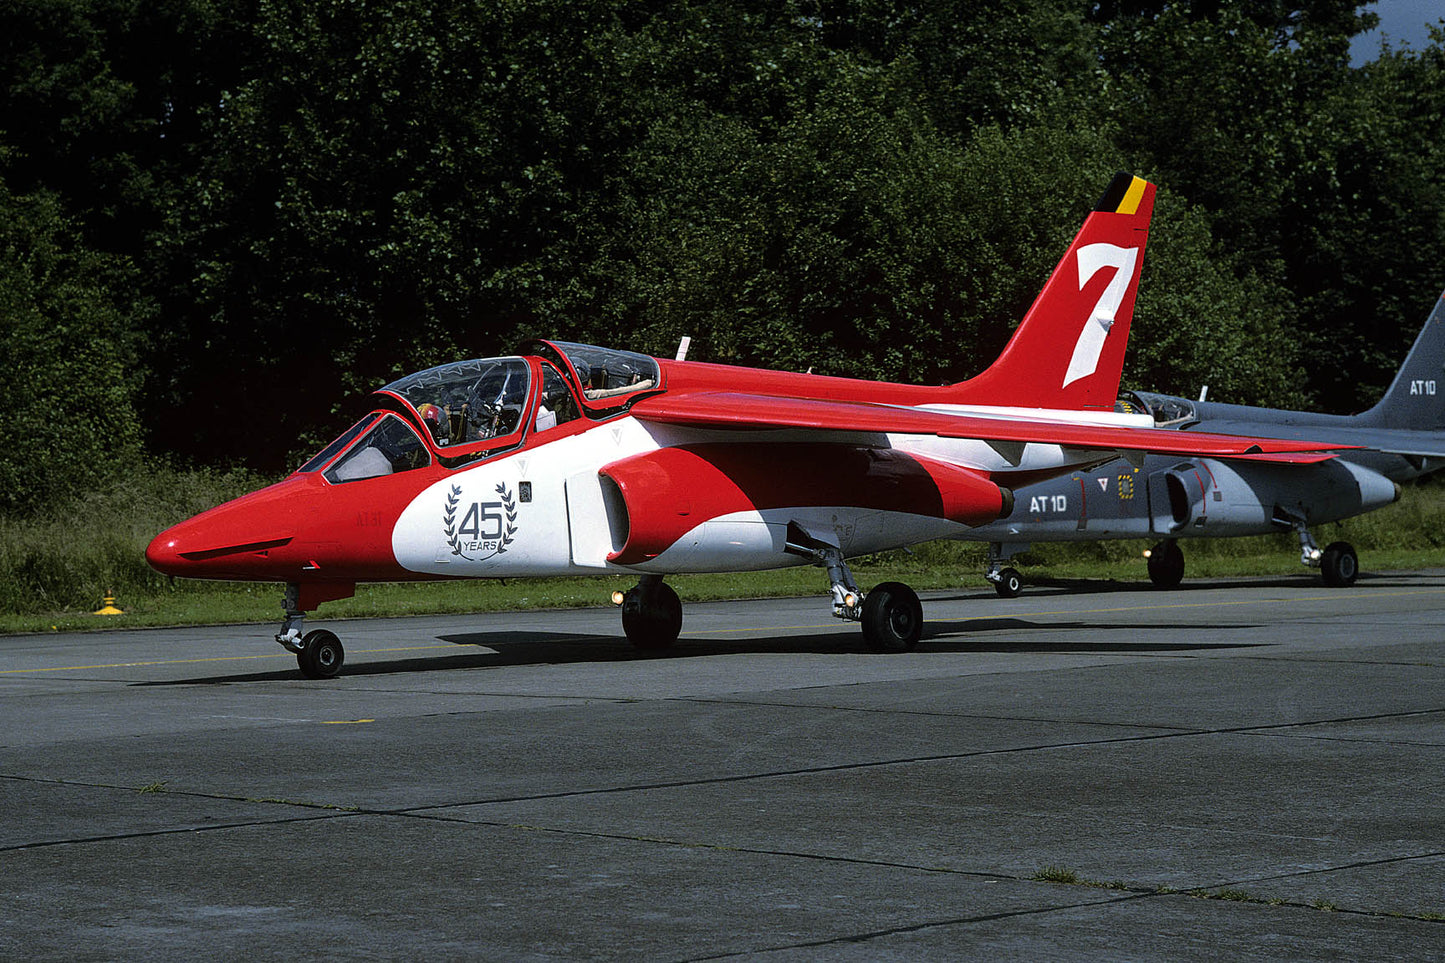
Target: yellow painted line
<point>416,648</point>
<point>345,722</point>
<point>774,628</point>
<point>128,665</point>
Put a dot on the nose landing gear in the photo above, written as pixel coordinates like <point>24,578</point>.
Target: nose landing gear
<point>319,653</point>
<point>1339,566</point>
<point>1007,581</point>
<point>1166,564</point>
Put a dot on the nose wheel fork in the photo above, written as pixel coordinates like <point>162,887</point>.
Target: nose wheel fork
<point>319,653</point>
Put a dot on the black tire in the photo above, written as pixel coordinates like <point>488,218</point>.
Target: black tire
<point>1339,566</point>
<point>892,618</point>
<point>1010,584</point>
<point>321,656</point>
<point>1166,565</point>
<point>652,617</point>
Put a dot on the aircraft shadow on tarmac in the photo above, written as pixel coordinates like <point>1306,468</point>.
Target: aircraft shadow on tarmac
<point>484,650</point>
<point>969,636</point>
<point>1103,586</point>
<point>501,649</point>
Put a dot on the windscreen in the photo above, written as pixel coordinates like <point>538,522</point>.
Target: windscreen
<point>319,460</point>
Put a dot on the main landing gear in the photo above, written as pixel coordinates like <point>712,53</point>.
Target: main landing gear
<point>1007,581</point>
<point>319,653</point>
<point>651,614</point>
<point>1338,564</point>
<point>891,615</point>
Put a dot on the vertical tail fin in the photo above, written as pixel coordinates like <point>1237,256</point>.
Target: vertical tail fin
<point>1068,352</point>
<point>1416,398</point>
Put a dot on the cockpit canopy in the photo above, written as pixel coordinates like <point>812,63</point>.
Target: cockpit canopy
<point>603,373</point>
<point>480,408</point>
<point>1167,410</point>
<point>468,401</point>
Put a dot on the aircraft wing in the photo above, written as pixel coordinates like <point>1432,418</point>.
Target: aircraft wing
<point>742,410</point>
<point>1425,450</point>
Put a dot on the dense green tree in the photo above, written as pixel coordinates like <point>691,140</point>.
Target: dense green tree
<point>1319,176</point>
<point>68,384</point>
<point>1363,235</point>
<point>387,188</point>
<point>102,101</point>
<point>319,196</point>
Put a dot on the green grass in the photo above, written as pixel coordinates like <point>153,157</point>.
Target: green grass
<point>56,569</point>
<point>1058,874</point>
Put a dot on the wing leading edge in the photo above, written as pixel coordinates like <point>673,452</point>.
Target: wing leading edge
<point>741,410</point>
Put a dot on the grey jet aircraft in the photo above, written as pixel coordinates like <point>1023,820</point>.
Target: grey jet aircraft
<point>1402,437</point>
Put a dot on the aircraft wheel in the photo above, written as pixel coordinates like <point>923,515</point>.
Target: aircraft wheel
<point>892,618</point>
<point>1010,584</point>
<point>652,617</point>
<point>1339,565</point>
<point>1166,565</point>
<point>321,656</point>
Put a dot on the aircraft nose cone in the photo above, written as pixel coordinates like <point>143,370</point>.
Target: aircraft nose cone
<point>164,553</point>
<point>235,540</point>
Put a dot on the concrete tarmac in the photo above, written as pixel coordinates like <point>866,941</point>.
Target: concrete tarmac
<point>1088,772</point>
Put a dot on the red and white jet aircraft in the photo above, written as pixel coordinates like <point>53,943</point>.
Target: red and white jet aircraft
<point>572,459</point>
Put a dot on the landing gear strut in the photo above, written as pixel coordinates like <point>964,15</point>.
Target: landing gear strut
<point>1007,581</point>
<point>319,653</point>
<point>891,615</point>
<point>1338,563</point>
<point>651,614</point>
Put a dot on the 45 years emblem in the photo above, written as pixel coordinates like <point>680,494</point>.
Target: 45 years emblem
<point>485,529</point>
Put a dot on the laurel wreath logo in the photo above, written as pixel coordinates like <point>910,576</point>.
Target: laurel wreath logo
<point>449,519</point>
<point>509,505</point>
<point>509,531</point>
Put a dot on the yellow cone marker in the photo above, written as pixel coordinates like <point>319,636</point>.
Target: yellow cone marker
<point>109,607</point>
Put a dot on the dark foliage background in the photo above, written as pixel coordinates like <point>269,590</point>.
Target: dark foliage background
<point>223,224</point>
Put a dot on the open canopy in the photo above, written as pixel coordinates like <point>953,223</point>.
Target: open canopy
<point>1167,410</point>
<point>473,401</point>
<point>468,401</point>
<point>477,408</point>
